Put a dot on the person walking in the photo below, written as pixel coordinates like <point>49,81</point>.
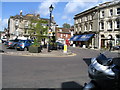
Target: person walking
<point>110,45</point>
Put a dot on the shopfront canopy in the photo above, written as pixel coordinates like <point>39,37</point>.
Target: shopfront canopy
<point>85,37</point>
<point>75,38</point>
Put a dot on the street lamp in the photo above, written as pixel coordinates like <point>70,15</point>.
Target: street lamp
<point>50,9</point>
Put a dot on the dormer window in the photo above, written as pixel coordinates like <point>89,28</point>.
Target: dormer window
<point>60,30</point>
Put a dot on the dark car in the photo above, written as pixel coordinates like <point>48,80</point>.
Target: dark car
<point>60,45</point>
<point>24,45</point>
<point>116,47</point>
<point>12,43</point>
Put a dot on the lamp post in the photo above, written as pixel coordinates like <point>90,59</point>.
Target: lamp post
<point>50,9</point>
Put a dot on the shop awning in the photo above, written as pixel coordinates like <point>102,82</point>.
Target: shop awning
<point>85,37</point>
<point>75,38</point>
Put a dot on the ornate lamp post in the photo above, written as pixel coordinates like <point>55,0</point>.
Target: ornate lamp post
<point>50,9</point>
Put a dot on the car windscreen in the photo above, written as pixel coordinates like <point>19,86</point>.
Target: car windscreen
<point>21,41</point>
<point>102,59</point>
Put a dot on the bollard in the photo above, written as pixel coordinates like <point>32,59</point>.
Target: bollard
<point>65,48</point>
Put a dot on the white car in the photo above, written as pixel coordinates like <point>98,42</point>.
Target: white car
<point>4,40</point>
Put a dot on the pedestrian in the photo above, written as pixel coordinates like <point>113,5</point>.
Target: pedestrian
<point>110,46</point>
<point>42,44</point>
<point>107,45</point>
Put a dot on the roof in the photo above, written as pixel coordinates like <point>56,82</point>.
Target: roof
<point>95,8</point>
<point>64,30</point>
<point>28,17</point>
<point>86,11</point>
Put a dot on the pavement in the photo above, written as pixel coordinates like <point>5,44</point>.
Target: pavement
<point>44,53</point>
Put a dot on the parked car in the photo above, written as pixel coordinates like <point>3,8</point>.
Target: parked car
<point>12,43</point>
<point>4,40</point>
<point>24,45</point>
<point>116,47</point>
<point>60,45</point>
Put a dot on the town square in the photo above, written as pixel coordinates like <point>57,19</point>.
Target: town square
<point>62,45</point>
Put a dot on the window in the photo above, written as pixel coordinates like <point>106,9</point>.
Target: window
<point>90,17</point>
<point>118,24</point>
<point>80,20</point>
<point>60,30</point>
<point>91,26</point>
<point>80,28</point>
<point>85,27</point>
<point>66,35</point>
<point>118,10</point>
<point>76,21</point>
<point>26,24</point>
<point>86,18</point>
<point>61,35</point>
<point>16,22</point>
<point>111,12</point>
<point>110,25</point>
<point>102,25</point>
<point>102,14</point>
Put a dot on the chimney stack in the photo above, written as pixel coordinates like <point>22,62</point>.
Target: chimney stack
<point>20,12</point>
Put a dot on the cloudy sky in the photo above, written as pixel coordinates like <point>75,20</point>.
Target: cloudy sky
<point>64,10</point>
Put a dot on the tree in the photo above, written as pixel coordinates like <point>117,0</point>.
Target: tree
<point>38,29</point>
<point>66,25</point>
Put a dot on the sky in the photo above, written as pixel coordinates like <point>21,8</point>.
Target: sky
<point>63,12</point>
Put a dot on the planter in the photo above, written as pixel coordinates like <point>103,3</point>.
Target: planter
<point>34,49</point>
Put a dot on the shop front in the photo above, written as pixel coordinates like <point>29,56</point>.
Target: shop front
<point>84,41</point>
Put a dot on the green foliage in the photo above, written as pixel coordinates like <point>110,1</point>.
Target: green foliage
<point>35,44</point>
<point>37,29</point>
<point>65,25</point>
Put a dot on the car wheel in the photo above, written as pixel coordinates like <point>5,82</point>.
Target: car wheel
<point>17,49</point>
<point>25,49</point>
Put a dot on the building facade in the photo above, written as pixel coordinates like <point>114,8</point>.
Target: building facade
<point>19,25</point>
<point>109,23</point>
<point>103,21</point>
<point>63,34</point>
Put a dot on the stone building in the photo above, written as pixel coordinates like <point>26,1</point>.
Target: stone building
<point>19,25</point>
<point>109,23</point>
<point>102,22</point>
